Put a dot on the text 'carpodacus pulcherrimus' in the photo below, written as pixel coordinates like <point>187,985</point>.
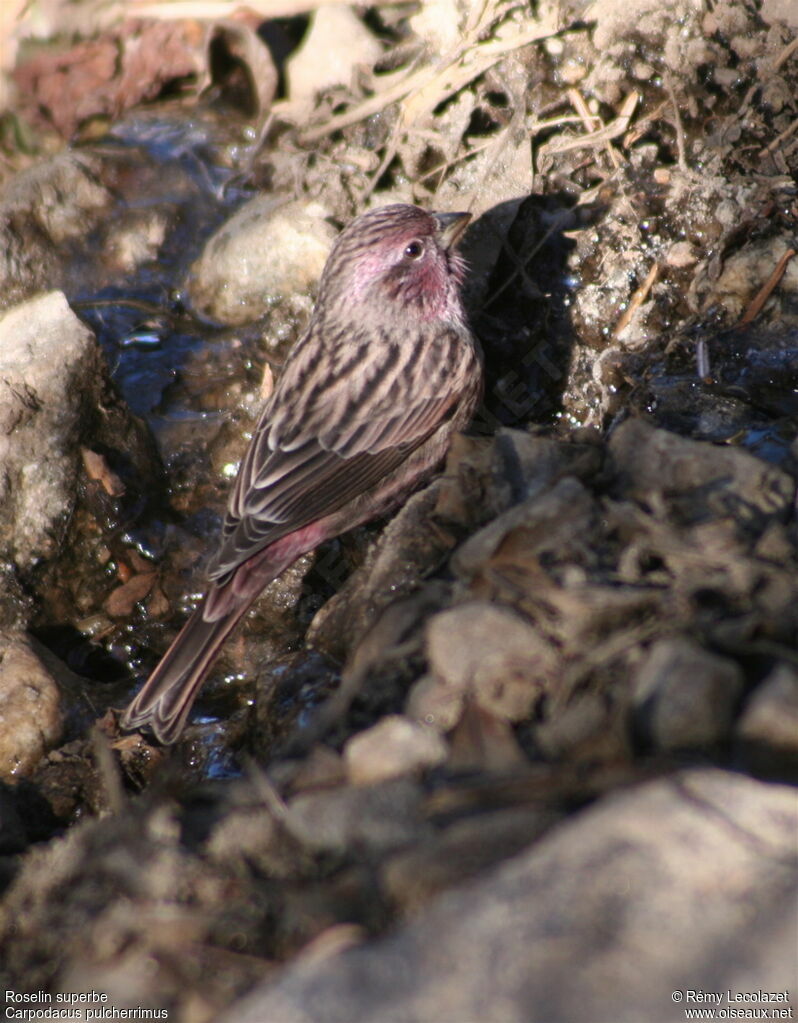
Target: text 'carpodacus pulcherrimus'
<point>365,409</point>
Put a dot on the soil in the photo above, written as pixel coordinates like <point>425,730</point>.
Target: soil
<point>574,655</point>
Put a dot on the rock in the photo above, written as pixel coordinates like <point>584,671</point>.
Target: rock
<point>745,271</point>
<point>585,730</point>
<point>113,877</point>
<point>692,876</point>
<point>378,669</point>
<point>685,697</point>
<point>136,239</point>
<point>59,497</point>
<point>682,51</point>
<point>322,768</point>
<point>698,479</point>
<point>60,193</point>
<point>681,254</point>
<point>269,249</point>
<point>481,478</point>
<point>438,23</point>
<point>465,497</point>
<point>768,727</point>
<point>377,818</point>
<point>779,10</point>
<point>31,714</point>
<point>248,834</point>
<point>436,704</point>
<point>45,207</point>
<point>414,876</point>
<point>48,364</point>
<point>321,62</point>
<point>526,465</point>
<point>68,784</point>
<point>409,547</point>
<point>555,522</point>
<point>393,747</point>
<point>97,468</point>
<point>485,652</point>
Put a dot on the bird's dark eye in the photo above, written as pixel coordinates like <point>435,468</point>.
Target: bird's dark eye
<point>414,249</point>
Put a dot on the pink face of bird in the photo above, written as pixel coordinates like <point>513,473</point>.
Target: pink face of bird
<point>405,262</point>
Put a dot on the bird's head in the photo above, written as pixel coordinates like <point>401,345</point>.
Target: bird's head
<point>396,261</point>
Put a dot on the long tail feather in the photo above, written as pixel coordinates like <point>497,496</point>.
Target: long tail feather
<point>165,699</point>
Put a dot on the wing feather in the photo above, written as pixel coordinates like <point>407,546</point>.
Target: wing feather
<point>316,454</point>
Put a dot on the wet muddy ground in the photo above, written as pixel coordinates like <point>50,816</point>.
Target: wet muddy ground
<point>541,724</point>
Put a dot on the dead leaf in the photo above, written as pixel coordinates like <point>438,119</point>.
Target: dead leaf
<point>158,606</point>
<point>120,603</point>
<point>97,468</point>
<point>106,76</point>
<point>236,46</point>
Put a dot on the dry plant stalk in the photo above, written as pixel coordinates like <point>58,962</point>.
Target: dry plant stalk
<point>596,136</point>
<point>637,299</point>
<point>424,88</point>
<point>767,289</point>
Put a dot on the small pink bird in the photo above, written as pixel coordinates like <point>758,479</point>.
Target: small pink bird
<point>365,409</point>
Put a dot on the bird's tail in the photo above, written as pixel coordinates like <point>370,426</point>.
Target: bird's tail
<point>167,696</point>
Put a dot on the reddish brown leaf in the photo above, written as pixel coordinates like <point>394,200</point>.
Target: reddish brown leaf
<point>124,598</point>
<point>109,75</point>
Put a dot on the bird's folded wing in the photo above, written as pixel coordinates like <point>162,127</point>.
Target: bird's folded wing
<point>295,472</point>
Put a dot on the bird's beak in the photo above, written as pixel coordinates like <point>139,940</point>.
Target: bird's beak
<point>451,227</point>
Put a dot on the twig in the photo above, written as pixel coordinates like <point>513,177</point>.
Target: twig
<point>522,260</point>
<point>129,303</point>
<point>780,138</point>
<point>448,164</point>
<point>441,81</point>
<point>593,124</point>
<point>702,365</point>
<point>390,152</point>
<point>786,53</point>
<point>108,771</point>
<point>637,300</point>
<point>642,123</point>
<point>600,136</point>
<point>265,789</point>
<point>764,293</point>
<point>677,119</point>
